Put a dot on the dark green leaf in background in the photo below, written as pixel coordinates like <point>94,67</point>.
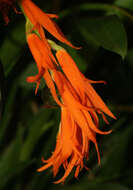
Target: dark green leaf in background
<point>97,185</point>
<point>37,126</point>
<point>107,32</point>
<point>12,46</point>
<point>10,165</point>
<point>5,120</point>
<point>2,90</point>
<point>125,4</point>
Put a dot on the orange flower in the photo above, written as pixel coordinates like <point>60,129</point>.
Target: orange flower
<point>38,44</point>
<point>80,104</point>
<point>41,55</point>
<point>79,125</point>
<point>83,87</point>
<point>42,59</point>
<point>40,19</point>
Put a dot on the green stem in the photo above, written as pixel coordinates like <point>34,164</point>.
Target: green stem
<point>54,46</point>
<point>97,6</point>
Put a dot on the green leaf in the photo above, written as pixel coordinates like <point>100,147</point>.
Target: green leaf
<point>10,159</point>
<point>14,172</point>
<point>37,126</point>
<point>116,153</point>
<point>129,57</point>
<point>125,4</point>
<point>109,8</point>
<point>107,32</point>
<point>11,155</point>
<point>8,111</point>
<point>2,90</point>
<point>12,46</point>
<point>96,186</point>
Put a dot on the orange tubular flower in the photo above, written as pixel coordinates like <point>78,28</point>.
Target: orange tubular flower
<point>42,59</point>
<point>83,87</point>
<point>80,104</point>
<point>79,125</point>
<point>40,19</point>
<point>41,55</point>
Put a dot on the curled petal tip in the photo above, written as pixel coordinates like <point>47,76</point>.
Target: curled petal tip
<point>77,48</point>
<point>44,167</point>
<point>53,16</point>
<point>39,170</point>
<point>114,117</point>
<point>108,132</point>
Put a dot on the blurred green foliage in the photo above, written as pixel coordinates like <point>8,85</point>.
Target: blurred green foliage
<point>28,128</point>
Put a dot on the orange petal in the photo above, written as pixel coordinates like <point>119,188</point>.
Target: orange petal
<point>77,171</point>
<point>39,51</point>
<point>53,16</point>
<point>29,14</point>
<point>68,170</point>
<point>34,50</point>
<point>91,137</point>
<point>46,45</point>
<point>62,83</point>
<point>51,86</point>
<point>36,79</point>
<point>97,101</point>
<point>93,126</point>
<point>71,70</point>
<point>44,167</point>
<point>36,15</point>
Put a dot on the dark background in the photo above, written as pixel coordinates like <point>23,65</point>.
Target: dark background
<point>28,129</point>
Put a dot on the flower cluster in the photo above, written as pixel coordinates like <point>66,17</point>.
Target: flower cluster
<point>79,103</point>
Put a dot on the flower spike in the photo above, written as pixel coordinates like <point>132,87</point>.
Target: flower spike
<point>80,105</point>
